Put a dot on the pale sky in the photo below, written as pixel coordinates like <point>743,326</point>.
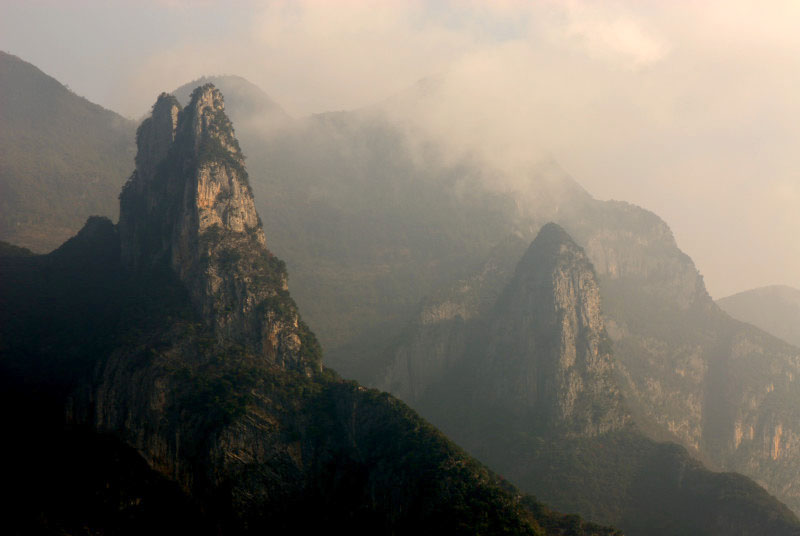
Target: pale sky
<point>689,109</point>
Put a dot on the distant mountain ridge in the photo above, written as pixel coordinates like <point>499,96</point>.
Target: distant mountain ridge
<point>62,158</point>
<point>775,309</point>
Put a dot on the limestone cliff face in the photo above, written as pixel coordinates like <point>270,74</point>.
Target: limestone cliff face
<point>539,355</point>
<point>143,194</point>
<point>630,245</point>
<point>651,291</point>
<point>690,373</point>
<point>188,205</point>
<point>548,355</point>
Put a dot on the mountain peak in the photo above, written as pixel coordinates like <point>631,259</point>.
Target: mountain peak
<point>155,136</point>
<point>188,205</point>
<point>207,121</point>
<point>553,232</point>
<point>552,245</point>
<point>550,343</point>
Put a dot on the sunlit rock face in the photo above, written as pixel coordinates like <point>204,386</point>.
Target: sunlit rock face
<point>189,205</point>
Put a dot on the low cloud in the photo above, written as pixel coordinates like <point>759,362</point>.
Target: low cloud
<point>688,109</point>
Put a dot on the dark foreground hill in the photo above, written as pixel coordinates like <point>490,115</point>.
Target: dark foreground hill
<point>167,353</point>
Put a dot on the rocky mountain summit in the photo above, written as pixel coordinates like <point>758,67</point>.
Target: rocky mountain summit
<point>549,356</point>
<point>171,339</point>
<point>189,204</point>
<point>530,386</point>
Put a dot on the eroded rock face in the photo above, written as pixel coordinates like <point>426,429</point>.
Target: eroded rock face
<point>725,390</point>
<point>142,195</point>
<point>189,205</point>
<point>539,355</point>
<point>549,355</point>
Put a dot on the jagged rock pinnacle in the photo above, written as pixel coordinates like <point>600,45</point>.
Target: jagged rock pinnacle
<point>189,206</point>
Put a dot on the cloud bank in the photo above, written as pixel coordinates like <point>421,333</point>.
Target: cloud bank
<point>688,109</point>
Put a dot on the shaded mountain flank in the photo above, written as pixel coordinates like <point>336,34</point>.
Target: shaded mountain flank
<point>775,309</point>
<point>168,354</point>
<point>62,158</point>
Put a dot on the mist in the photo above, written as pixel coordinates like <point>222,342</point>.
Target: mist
<point>687,110</point>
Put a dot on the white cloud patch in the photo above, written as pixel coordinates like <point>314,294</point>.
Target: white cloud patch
<point>616,37</point>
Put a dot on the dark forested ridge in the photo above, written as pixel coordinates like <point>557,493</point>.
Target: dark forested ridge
<point>169,351</point>
<point>62,158</point>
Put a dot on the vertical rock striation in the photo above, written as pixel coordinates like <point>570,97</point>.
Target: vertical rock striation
<point>548,355</point>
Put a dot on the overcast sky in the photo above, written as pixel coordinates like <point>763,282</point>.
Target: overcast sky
<point>690,109</point>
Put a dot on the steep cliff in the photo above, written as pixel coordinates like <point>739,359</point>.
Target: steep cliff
<point>189,204</point>
<point>173,333</point>
<point>531,389</point>
<point>548,359</point>
<point>542,355</point>
<point>690,373</point>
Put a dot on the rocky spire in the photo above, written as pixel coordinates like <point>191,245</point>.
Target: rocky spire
<point>189,206</point>
<point>142,196</point>
<point>548,358</point>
